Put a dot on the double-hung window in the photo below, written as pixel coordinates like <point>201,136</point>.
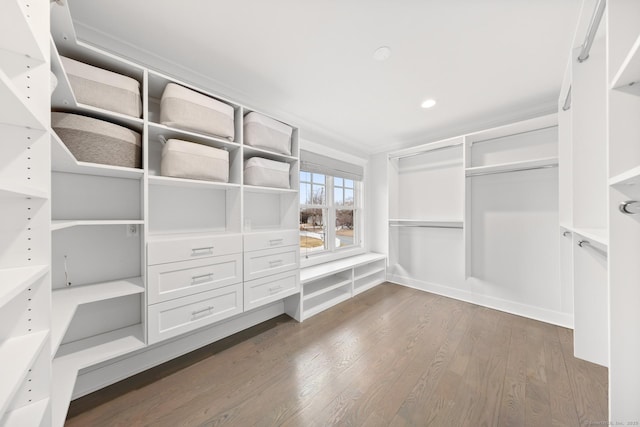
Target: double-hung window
<point>330,205</point>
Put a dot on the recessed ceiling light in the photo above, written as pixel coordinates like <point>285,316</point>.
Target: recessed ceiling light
<point>382,53</point>
<point>428,103</point>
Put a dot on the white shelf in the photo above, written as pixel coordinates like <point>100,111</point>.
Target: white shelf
<point>426,223</point>
<point>359,288</point>
<point>250,151</point>
<point>16,357</point>
<point>157,129</point>
<point>272,190</point>
<point>627,78</point>
<point>65,301</point>
<point>61,224</point>
<point>63,98</point>
<point>512,166</point>
<point>28,415</point>
<point>368,273</point>
<point>191,183</point>
<point>15,280</point>
<point>23,38</point>
<point>21,192</point>
<point>630,177</point>
<point>308,274</point>
<point>13,111</point>
<point>325,301</point>
<point>322,286</point>
<point>81,354</point>
<point>62,160</point>
<point>599,235</point>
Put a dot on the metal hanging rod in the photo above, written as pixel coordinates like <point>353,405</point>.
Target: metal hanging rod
<point>514,134</point>
<point>567,101</point>
<point>512,170</point>
<point>426,150</point>
<point>426,226</point>
<point>592,30</point>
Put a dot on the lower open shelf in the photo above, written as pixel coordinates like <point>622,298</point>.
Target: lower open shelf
<point>325,301</point>
<point>322,286</point>
<point>29,415</point>
<point>77,355</point>
<point>368,281</point>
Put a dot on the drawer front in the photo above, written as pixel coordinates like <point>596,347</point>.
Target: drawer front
<point>179,279</point>
<point>259,241</point>
<point>270,261</point>
<point>184,249</point>
<point>175,317</point>
<point>272,288</point>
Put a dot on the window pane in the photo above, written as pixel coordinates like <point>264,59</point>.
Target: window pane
<point>318,178</point>
<point>337,196</point>
<point>305,176</point>
<point>345,230</point>
<point>348,183</point>
<point>305,193</point>
<point>318,194</point>
<point>312,231</point>
<point>338,182</point>
<point>348,197</point>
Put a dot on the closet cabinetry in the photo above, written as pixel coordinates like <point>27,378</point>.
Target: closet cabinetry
<point>25,280</point>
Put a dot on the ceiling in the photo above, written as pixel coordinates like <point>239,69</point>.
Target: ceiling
<point>311,62</point>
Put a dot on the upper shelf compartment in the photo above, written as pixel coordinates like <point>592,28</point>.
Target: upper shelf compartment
<point>158,83</point>
<point>627,78</point>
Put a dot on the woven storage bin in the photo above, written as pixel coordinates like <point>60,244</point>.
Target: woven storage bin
<point>187,109</point>
<point>266,173</point>
<point>266,133</point>
<point>183,159</point>
<point>103,89</point>
<point>96,141</point>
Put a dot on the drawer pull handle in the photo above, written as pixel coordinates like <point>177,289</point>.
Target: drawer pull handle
<point>202,276</point>
<point>274,242</point>
<point>275,263</point>
<point>275,289</point>
<point>207,248</point>
<point>204,310</point>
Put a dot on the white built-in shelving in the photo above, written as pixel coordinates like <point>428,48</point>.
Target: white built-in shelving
<point>512,166</point>
<point>62,224</point>
<point>16,280</point>
<point>32,414</point>
<point>627,78</point>
<point>435,223</point>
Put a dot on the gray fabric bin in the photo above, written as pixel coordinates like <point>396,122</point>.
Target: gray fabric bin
<point>96,141</point>
<point>184,159</point>
<point>189,110</point>
<point>266,173</point>
<point>102,88</point>
<point>266,133</point>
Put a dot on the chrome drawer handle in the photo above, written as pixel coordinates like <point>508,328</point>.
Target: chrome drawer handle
<point>275,289</point>
<point>194,313</point>
<point>275,263</point>
<point>202,276</point>
<point>207,248</point>
<point>273,242</point>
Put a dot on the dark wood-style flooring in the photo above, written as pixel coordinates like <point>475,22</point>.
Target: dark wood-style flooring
<point>391,356</point>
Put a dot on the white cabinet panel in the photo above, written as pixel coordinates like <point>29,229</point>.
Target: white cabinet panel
<point>272,288</point>
<point>259,241</point>
<point>270,261</point>
<point>172,249</point>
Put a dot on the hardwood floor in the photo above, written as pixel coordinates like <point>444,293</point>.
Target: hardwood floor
<point>390,356</point>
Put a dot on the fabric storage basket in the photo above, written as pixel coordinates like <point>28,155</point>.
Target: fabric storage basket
<point>96,141</point>
<point>103,89</point>
<point>266,173</point>
<point>183,159</point>
<point>266,133</point>
<point>187,109</point>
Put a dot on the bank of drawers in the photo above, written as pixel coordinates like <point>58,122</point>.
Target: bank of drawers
<point>192,282</point>
<point>271,262</point>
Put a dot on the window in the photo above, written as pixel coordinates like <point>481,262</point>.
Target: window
<point>326,200</point>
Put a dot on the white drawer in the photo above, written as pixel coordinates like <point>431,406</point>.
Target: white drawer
<point>272,239</point>
<point>179,279</point>
<point>175,317</point>
<point>272,288</point>
<point>172,249</point>
<point>270,261</point>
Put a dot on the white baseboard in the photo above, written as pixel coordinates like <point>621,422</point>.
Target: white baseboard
<point>532,312</point>
<point>103,375</point>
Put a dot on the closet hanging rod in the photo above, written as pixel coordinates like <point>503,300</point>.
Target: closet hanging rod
<point>513,134</point>
<point>428,150</point>
<point>592,30</point>
<point>426,225</point>
<point>512,170</point>
<point>567,101</point>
